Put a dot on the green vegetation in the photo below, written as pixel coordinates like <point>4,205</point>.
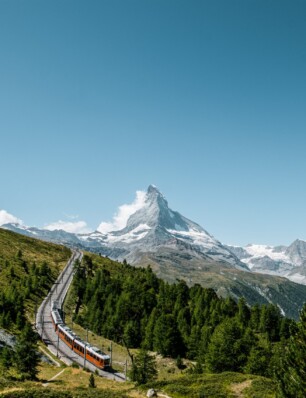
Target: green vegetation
<point>91,382</point>
<point>50,393</point>
<point>131,305</point>
<point>143,368</point>
<point>223,385</point>
<point>291,366</point>
<point>25,356</point>
<point>28,268</point>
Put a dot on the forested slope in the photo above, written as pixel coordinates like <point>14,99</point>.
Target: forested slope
<point>28,268</point>
<point>131,305</point>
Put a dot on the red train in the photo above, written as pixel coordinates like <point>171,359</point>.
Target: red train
<point>93,354</point>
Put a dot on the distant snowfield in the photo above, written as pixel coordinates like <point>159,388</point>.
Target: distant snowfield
<point>284,261</point>
<point>258,251</point>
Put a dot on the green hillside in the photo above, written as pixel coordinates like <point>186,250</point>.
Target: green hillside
<point>28,268</point>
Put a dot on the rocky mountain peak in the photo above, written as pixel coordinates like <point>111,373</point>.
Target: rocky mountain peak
<point>155,213</point>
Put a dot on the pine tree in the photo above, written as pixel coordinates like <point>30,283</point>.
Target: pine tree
<point>6,358</point>
<point>167,339</point>
<point>259,359</point>
<point>143,368</point>
<point>91,382</point>
<point>291,367</point>
<point>225,348</point>
<point>26,358</point>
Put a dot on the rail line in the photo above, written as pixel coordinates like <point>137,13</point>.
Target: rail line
<point>48,299</point>
<point>49,337</point>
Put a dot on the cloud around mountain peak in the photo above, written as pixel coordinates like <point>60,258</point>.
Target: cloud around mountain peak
<point>7,218</point>
<point>74,227</point>
<point>124,212</point>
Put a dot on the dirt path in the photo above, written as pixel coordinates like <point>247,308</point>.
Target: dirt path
<point>50,357</point>
<point>54,377</point>
<point>238,388</point>
<point>11,390</point>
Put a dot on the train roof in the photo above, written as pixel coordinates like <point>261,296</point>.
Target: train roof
<point>68,331</point>
<point>57,317</point>
<point>55,305</point>
<point>79,341</point>
<point>97,351</point>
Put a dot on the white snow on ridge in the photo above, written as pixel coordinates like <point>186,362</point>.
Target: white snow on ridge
<point>262,251</point>
<point>197,238</point>
<point>136,234</point>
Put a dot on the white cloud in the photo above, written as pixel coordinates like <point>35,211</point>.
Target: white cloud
<point>77,227</point>
<point>6,218</point>
<point>124,212</point>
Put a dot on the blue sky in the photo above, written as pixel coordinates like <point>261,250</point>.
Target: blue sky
<point>205,99</point>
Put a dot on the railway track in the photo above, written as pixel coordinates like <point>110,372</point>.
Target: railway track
<point>45,328</point>
<point>44,310</point>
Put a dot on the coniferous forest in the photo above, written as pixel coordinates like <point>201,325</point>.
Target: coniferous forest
<point>132,306</point>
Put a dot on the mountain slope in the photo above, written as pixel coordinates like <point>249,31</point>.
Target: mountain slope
<point>28,268</point>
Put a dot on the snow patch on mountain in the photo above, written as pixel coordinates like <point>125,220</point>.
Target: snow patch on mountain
<point>260,251</point>
<point>289,262</point>
<point>199,238</point>
<point>135,234</point>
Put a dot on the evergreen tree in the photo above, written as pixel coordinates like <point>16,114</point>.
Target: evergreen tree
<point>179,362</point>
<point>291,367</point>
<point>6,358</point>
<point>149,332</point>
<point>91,382</point>
<point>224,350</point>
<point>26,358</point>
<point>258,362</point>
<point>167,340</point>
<point>243,314</point>
<point>270,321</point>
<point>143,368</point>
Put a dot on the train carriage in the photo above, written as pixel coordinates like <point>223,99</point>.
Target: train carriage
<point>66,335</point>
<point>97,357</point>
<point>56,319</point>
<point>93,354</point>
<point>79,347</point>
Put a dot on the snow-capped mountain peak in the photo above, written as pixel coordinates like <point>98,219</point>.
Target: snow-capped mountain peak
<point>154,226</point>
<point>156,214</point>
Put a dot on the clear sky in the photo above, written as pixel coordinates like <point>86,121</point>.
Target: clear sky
<point>205,99</point>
